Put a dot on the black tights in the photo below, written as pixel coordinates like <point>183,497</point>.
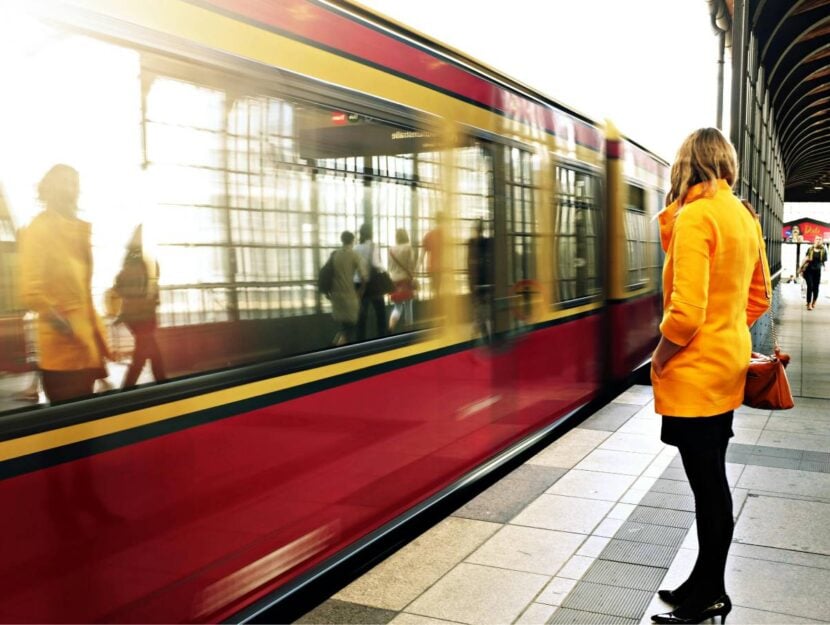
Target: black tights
<point>812,278</point>
<point>706,469</point>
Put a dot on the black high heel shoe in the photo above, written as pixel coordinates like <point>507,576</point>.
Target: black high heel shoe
<point>673,597</point>
<point>721,607</point>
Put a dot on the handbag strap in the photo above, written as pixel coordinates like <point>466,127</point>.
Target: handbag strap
<point>398,263</point>
<point>767,287</point>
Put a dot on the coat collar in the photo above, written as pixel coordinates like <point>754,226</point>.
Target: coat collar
<point>667,216</point>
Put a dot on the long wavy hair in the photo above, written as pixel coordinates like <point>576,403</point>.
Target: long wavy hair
<point>705,156</point>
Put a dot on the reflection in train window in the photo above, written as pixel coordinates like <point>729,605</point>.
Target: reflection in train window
<point>638,239</point>
<point>577,234</point>
<point>242,192</point>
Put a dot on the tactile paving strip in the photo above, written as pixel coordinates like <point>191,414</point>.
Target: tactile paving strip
<point>651,534</point>
<point>659,516</point>
<point>666,500</point>
<point>564,616</point>
<point>674,487</point>
<point>638,553</point>
<point>625,575</point>
<point>611,600</point>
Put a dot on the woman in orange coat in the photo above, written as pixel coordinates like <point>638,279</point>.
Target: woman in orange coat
<point>56,275</point>
<point>715,285</point>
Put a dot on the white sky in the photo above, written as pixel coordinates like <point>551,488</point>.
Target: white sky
<point>650,66</point>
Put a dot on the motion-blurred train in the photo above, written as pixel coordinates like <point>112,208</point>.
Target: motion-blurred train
<point>244,136</point>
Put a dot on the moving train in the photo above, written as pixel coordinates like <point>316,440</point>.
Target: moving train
<point>244,136</point>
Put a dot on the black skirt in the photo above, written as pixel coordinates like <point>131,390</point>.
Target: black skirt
<point>697,431</point>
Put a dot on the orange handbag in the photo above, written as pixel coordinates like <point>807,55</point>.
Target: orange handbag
<point>767,386</point>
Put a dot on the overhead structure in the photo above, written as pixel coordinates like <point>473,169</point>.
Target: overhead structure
<point>780,103</point>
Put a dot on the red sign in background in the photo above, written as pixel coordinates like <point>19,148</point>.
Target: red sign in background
<point>805,230</point>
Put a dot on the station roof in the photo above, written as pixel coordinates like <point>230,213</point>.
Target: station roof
<point>793,39</point>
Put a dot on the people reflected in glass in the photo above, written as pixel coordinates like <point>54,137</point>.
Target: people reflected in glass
<point>137,284</point>
<point>56,283</point>
<point>345,294</point>
<point>814,261</point>
<point>480,276</point>
<point>431,253</point>
<point>402,261</point>
<point>371,295</point>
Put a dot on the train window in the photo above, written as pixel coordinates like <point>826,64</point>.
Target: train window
<point>521,215</point>
<point>577,234</point>
<point>241,193</point>
<point>637,237</point>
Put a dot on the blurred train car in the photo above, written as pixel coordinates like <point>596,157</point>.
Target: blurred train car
<point>245,136</point>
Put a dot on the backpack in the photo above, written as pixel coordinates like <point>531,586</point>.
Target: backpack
<point>325,279</point>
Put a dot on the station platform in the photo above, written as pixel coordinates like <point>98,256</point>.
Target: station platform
<point>588,529</point>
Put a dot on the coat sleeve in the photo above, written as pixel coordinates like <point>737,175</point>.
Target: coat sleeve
<point>760,288</point>
<point>692,243</point>
<point>34,287</point>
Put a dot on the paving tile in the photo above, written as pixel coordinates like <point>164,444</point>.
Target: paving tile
<point>625,575</point>
<point>610,417</point>
<point>661,516</point>
<point>639,443</point>
<point>674,487</point>
<point>674,474</point>
<point>788,423</point>
<point>503,500</point>
<point>556,591</point>
<point>593,546</point>
<point>778,587</point>
<point>651,534</point>
<point>414,619</point>
<point>638,553</point>
<point>745,435</point>
<point>647,427</point>
<point>625,602</point>
<point>624,462</point>
<point>567,514</point>
<point>396,581</point>
<point>621,511</point>
<point>570,449</point>
<point>527,549</point>
<point>592,485</point>
<point>576,567</point>
<point>750,421</point>
<point>639,396</point>
<point>777,452</point>
<point>536,614</point>
<point>334,612</point>
<point>633,496</point>
<point>772,461</point>
<point>667,500</point>
<point>785,481</point>
<point>747,616</point>
<point>567,616</point>
<point>479,594</point>
<point>786,556</point>
<point>795,441</point>
<point>785,523</point>
<point>609,527</point>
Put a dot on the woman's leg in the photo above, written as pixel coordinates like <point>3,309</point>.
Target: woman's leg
<point>706,469</point>
<point>812,287</point>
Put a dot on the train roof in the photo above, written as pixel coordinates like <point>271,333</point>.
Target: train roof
<point>463,59</point>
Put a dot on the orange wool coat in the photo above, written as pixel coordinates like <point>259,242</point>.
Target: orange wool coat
<point>56,272</point>
<point>716,283</point>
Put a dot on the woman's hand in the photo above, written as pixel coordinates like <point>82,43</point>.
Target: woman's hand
<point>60,323</point>
<point>665,351</point>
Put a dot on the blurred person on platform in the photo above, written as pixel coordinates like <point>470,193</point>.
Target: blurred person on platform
<point>56,283</point>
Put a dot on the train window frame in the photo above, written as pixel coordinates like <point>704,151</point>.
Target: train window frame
<point>595,175</point>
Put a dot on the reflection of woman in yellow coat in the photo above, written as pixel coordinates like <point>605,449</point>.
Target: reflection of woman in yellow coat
<point>56,275</point>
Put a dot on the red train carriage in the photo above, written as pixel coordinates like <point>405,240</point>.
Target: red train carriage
<point>244,137</point>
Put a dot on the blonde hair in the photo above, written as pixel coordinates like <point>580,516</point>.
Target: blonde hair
<point>705,156</point>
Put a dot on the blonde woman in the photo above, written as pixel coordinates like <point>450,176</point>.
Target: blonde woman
<point>402,259</point>
<point>715,285</point>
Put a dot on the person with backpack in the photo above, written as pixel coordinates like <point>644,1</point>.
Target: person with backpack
<point>345,298</point>
<point>137,286</point>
